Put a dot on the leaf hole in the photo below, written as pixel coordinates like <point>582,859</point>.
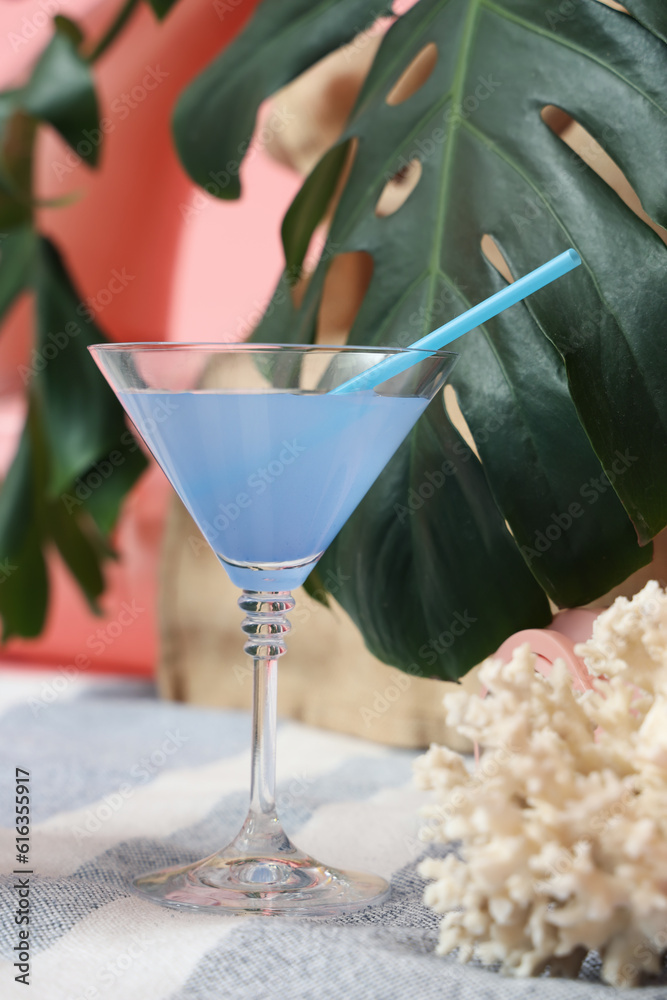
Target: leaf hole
<point>312,110</point>
<point>494,255</point>
<point>400,7</point>
<point>456,417</point>
<point>398,189</point>
<point>345,286</point>
<point>557,119</point>
<point>414,76</point>
<point>614,5</point>
<point>593,154</point>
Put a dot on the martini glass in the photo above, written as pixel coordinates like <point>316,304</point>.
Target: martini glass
<point>270,463</point>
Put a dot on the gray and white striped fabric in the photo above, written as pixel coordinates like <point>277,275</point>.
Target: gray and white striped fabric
<point>122,782</point>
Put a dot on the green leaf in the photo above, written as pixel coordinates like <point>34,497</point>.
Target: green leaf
<point>80,555</point>
<point>76,522</point>
<point>432,583</point>
<point>76,460</point>
<point>23,578</point>
<point>83,420</point>
<point>491,165</point>
<point>61,91</point>
<point>65,26</point>
<point>17,139</point>
<point>17,251</point>
<point>315,588</point>
<point>308,208</point>
<point>24,593</point>
<point>651,13</point>
<point>563,387</point>
<point>215,116</point>
<point>104,486</point>
<point>161,7</point>
<point>569,524</point>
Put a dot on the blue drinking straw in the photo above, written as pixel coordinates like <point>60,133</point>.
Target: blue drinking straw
<point>435,341</point>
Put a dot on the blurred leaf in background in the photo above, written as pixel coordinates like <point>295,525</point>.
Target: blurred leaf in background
<point>76,459</point>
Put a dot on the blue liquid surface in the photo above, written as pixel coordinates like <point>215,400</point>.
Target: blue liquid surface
<point>271,477</point>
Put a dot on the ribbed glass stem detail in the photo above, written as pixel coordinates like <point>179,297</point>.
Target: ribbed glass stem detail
<point>265,624</point>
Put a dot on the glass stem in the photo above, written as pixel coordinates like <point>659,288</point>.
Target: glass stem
<point>263,764</point>
<point>265,627</point>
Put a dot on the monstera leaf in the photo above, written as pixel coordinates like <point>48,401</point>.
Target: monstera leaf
<point>76,460</point>
<point>566,393</point>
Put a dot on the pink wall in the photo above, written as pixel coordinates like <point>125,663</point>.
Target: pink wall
<point>230,255</point>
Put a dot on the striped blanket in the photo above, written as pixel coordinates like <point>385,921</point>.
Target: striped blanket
<point>120,782</point>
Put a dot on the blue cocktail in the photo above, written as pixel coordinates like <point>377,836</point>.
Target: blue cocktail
<point>270,463</point>
<point>270,478</point>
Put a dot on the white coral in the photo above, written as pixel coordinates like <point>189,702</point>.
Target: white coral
<point>563,824</point>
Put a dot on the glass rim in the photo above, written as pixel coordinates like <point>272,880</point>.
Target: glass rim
<point>176,345</point>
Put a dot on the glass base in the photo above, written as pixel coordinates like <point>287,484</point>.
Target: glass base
<point>285,883</point>
<point>261,870</point>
